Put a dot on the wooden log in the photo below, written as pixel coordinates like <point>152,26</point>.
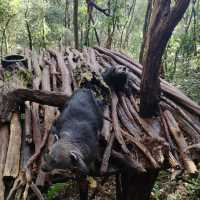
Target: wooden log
<point>52,65</point>
<point>28,123</point>
<point>83,188</point>
<point>142,122</point>
<point>28,56</point>
<point>26,150</point>
<point>116,127</point>
<point>173,162</point>
<point>169,90</point>
<point>94,66</point>
<point>71,65</point>
<point>188,129</point>
<point>12,165</point>
<point>182,113</point>
<point>130,127</point>
<point>66,77</point>
<point>168,136</point>
<point>106,155</point>
<point>37,137</point>
<point>4,137</point>
<point>37,72</point>
<point>142,148</point>
<point>138,186</point>
<point>180,140</point>
<point>125,162</point>
<point>106,125</point>
<point>12,99</point>
<point>48,119</point>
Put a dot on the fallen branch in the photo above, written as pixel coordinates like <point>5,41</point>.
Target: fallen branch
<point>12,165</point>
<point>12,99</point>
<point>107,154</point>
<point>180,140</point>
<point>116,127</point>
<point>4,138</point>
<point>142,148</point>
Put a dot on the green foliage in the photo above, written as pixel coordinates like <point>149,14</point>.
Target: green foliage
<point>54,190</point>
<point>187,188</point>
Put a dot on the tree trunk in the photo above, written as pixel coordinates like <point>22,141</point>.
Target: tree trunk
<point>89,13</point>
<point>138,186</point>
<point>67,17</point>
<point>145,28</point>
<point>75,18</point>
<point>163,20</point>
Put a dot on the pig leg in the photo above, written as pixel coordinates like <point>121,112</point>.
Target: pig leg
<point>83,187</point>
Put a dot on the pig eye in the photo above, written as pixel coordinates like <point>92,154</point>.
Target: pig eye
<point>73,158</point>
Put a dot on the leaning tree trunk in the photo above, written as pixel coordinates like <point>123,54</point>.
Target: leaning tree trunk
<point>163,20</point>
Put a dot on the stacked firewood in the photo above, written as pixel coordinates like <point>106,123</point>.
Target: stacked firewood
<point>127,140</point>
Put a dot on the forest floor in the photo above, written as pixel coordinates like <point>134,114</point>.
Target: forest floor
<point>69,191</point>
<point>185,188</point>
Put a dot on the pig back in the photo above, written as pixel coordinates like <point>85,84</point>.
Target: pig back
<point>81,117</point>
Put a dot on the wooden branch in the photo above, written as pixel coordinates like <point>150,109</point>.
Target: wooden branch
<point>28,123</point>
<point>142,123</point>
<point>37,192</point>
<point>38,151</point>
<point>127,162</point>
<point>162,23</point>
<point>18,96</point>
<point>18,183</point>
<point>48,120</point>
<point>188,129</point>
<point>106,125</point>
<point>53,72</point>
<point>71,65</point>
<point>182,113</point>
<point>169,90</point>
<point>180,140</point>
<point>131,127</point>
<point>173,162</point>
<point>116,127</point>
<point>66,77</point>
<point>94,64</point>
<point>4,137</point>
<point>102,10</point>
<point>37,135</point>
<point>194,146</point>
<point>12,165</point>
<point>142,148</point>
<point>107,154</point>
<point>167,134</point>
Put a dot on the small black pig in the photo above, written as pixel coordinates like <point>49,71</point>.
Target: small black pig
<point>77,130</point>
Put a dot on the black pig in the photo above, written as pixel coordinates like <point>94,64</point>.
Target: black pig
<point>77,130</point>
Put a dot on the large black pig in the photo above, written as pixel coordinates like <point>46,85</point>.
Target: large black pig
<point>77,130</point>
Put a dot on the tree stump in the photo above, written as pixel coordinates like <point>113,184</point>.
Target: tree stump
<point>137,186</point>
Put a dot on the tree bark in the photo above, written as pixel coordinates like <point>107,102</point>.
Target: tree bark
<point>145,28</point>
<point>18,96</point>
<point>138,186</point>
<point>4,138</point>
<point>163,20</point>
<point>75,20</point>
<point>12,165</point>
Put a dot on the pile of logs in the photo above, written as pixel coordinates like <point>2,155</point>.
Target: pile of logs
<point>128,141</point>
